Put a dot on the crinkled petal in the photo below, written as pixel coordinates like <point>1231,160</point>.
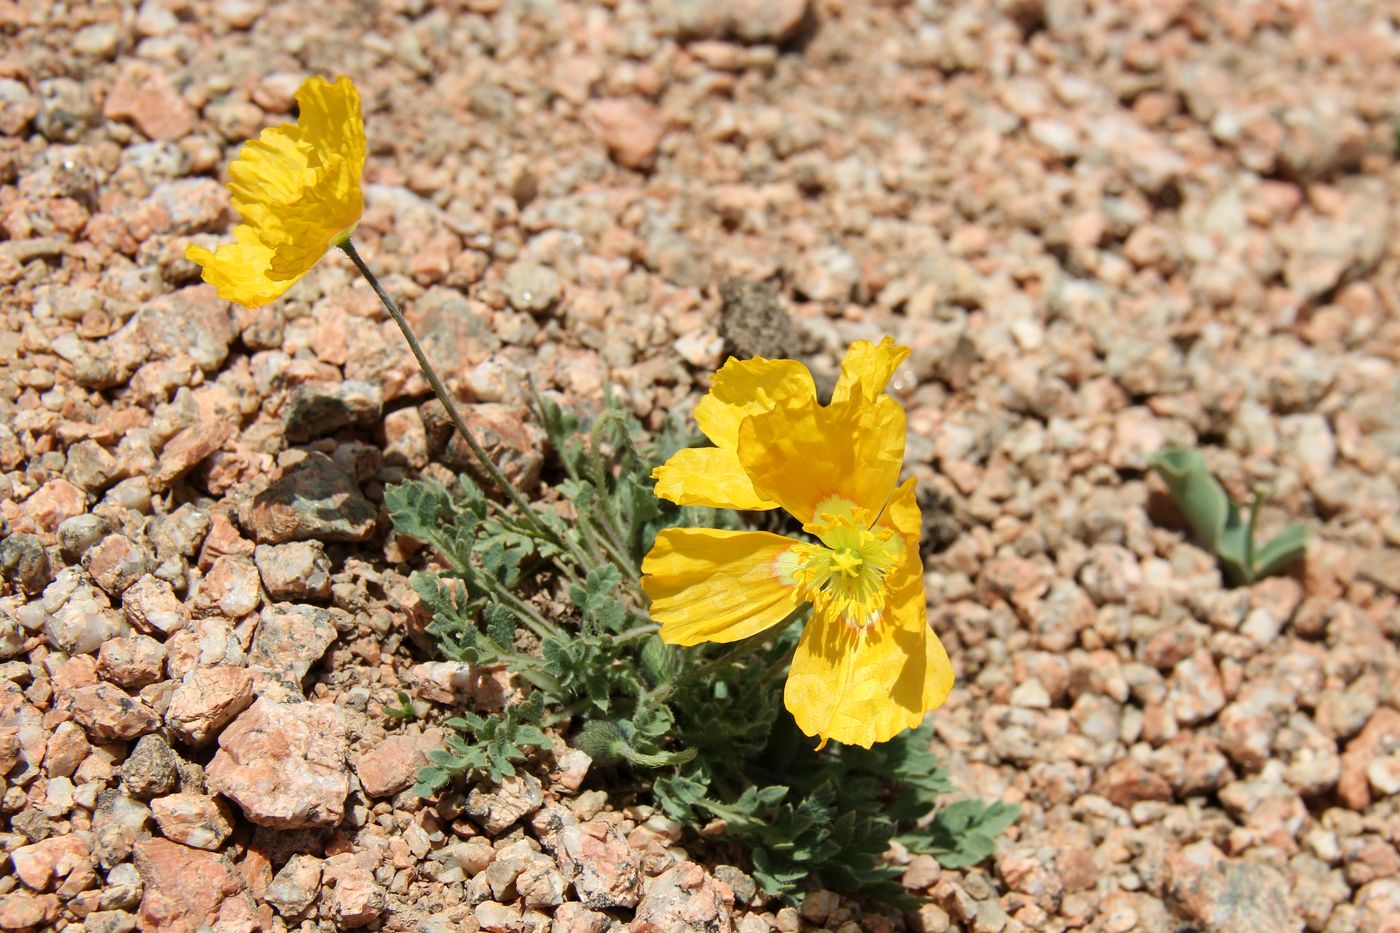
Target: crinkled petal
<point>860,688</point>
<point>800,455</point>
<point>863,687</point>
<point>711,585</point>
<point>746,387</point>
<point>271,173</point>
<point>297,186</point>
<point>867,368</point>
<point>902,513</point>
<point>709,476</point>
<point>329,116</point>
<point>239,270</point>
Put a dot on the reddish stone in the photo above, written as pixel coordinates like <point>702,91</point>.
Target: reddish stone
<point>144,95</point>
<point>188,890</point>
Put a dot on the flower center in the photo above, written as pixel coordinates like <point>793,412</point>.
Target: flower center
<point>844,575</point>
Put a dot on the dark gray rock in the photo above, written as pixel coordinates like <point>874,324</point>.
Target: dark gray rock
<point>151,769</point>
<point>25,563</point>
<point>320,408</point>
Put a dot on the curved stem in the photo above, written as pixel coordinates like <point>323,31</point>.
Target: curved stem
<point>640,631</point>
<point>779,663</point>
<point>536,622</point>
<point>738,652</point>
<point>440,390</point>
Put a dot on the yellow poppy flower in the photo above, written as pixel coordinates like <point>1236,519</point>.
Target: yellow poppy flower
<point>297,188</point>
<point>867,665</point>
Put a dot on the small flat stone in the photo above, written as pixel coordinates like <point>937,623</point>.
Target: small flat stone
<point>40,864</point>
<point>193,820</point>
<point>296,570</point>
<point>1223,895</point>
<point>603,869</point>
<point>131,662</point>
<point>499,809</point>
<point>684,898</point>
<point>188,889</point>
<point>356,898</point>
<point>290,639</point>
<point>297,884</point>
<point>107,712</point>
<point>313,499</point>
<point>207,700</point>
<point>316,409</point>
<point>630,128</point>
<point>66,749</point>
<point>393,764</point>
<point>23,911</point>
<point>52,504</point>
<point>229,589</point>
<point>117,823</point>
<point>532,287</point>
<point>144,95</point>
<point>115,563</point>
<point>151,606</point>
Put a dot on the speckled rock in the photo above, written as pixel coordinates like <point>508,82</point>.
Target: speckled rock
<point>284,764</point>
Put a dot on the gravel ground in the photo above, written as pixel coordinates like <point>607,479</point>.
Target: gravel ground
<point>1103,228</point>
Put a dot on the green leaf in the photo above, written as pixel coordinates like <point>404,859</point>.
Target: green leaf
<point>430,780</point>
<point>1232,549</point>
<point>1283,549</point>
<point>1196,492</point>
<point>454,615</point>
<point>1215,519</point>
<point>498,740</point>
<point>404,710</point>
<point>680,796</point>
<point>660,662</point>
<point>964,833</point>
<point>418,509</point>
<point>500,624</point>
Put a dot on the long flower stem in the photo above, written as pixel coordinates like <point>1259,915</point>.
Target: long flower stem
<point>487,464</point>
<point>537,623</point>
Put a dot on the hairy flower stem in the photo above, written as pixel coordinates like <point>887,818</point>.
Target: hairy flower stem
<point>737,653</point>
<point>780,664</point>
<point>610,536</point>
<point>487,464</point>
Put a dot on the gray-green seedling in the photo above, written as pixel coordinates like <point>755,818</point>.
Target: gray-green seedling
<point>1216,520</point>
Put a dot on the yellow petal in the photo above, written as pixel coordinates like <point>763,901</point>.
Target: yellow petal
<point>712,585</point>
<point>903,514</point>
<point>867,368</point>
<point>239,270</point>
<point>297,188</point>
<point>863,687</point>
<point>746,387</point>
<point>800,455</point>
<point>708,476</point>
<point>329,116</point>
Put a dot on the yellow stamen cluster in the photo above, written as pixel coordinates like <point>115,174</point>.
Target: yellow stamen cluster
<point>844,576</point>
